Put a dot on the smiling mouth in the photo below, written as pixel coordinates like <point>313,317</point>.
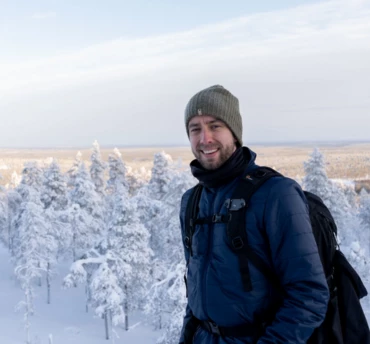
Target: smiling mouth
<point>209,152</point>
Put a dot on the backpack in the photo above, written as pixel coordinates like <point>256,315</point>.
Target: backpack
<point>345,321</point>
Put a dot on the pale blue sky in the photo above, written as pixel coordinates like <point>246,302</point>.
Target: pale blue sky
<point>121,72</point>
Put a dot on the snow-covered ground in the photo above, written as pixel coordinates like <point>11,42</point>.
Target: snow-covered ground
<point>65,318</point>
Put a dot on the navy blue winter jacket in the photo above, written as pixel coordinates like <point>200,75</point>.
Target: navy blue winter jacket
<point>277,211</point>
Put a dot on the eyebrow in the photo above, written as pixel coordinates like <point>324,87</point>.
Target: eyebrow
<point>209,122</point>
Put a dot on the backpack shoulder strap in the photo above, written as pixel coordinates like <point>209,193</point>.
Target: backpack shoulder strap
<point>191,213</point>
<point>237,231</point>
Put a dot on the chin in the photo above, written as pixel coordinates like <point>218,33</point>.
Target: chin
<point>210,165</point>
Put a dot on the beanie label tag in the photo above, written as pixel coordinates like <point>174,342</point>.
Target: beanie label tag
<point>200,112</point>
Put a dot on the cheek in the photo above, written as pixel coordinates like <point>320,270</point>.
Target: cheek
<point>193,142</point>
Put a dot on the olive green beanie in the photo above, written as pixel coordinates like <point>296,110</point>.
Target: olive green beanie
<point>218,102</point>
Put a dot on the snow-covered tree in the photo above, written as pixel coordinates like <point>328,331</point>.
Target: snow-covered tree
<point>32,176</point>
<point>71,173</point>
<point>86,213</point>
<point>125,254</point>
<point>167,292</point>
<point>14,200</point>
<point>128,247</point>
<point>55,200</point>
<point>117,179</point>
<point>54,191</point>
<point>34,247</point>
<point>97,169</point>
<point>365,209</point>
<point>117,172</point>
<point>4,228</point>
<point>137,178</point>
<point>15,180</point>
<point>317,182</point>
<point>176,297</point>
<point>107,296</point>
<point>166,238</point>
<point>162,173</point>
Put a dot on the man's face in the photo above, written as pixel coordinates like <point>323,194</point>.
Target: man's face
<point>212,142</point>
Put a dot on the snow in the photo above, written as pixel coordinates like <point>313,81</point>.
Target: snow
<point>65,318</point>
<point>118,246</point>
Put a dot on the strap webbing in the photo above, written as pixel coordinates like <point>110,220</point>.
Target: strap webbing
<point>190,216</point>
<point>236,228</point>
<point>237,231</point>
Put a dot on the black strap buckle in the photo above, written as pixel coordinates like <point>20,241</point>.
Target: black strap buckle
<point>237,243</point>
<point>235,204</point>
<point>217,218</point>
<point>213,328</point>
<point>187,242</point>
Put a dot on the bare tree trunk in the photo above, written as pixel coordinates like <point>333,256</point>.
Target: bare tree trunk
<point>48,282</point>
<point>74,247</point>
<point>27,315</point>
<point>106,322</point>
<point>40,281</point>
<point>87,296</point>
<point>126,309</point>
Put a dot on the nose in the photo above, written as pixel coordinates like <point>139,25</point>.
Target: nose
<point>205,136</point>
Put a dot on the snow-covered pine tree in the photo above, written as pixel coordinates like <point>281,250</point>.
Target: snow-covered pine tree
<point>71,173</point>
<point>107,297</point>
<point>350,193</point>
<point>117,175</point>
<point>14,200</point>
<point>129,252</point>
<point>15,180</point>
<point>364,212</point>
<point>125,252</point>
<point>54,191</point>
<point>364,215</point>
<point>32,176</point>
<point>34,247</point>
<point>55,200</point>
<point>105,293</point>
<point>4,227</point>
<point>162,173</point>
<point>167,294</point>
<point>86,215</point>
<point>176,296</point>
<point>117,172</point>
<point>97,169</point>
<point>317,182</point>
<point>166,238</point>
<point>137,178</point>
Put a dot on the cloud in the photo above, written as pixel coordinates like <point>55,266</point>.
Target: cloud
<point>329,27</point>
<point>298,73</point>
<point>44,15</point>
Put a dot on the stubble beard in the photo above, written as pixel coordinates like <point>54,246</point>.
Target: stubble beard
<point>224,154</point>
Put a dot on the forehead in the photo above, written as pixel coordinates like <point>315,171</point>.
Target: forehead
<point>202,119</point>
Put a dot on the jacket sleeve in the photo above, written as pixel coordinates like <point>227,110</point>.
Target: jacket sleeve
<point>296,263</point>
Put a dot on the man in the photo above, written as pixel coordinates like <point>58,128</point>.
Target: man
<point>278,230</point>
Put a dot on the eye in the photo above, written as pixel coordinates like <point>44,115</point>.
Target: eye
<point>194,130</point>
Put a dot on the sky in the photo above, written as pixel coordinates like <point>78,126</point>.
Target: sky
<point>121,72</point>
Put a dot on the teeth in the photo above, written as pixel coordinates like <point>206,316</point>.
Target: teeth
<point>210,152</point>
